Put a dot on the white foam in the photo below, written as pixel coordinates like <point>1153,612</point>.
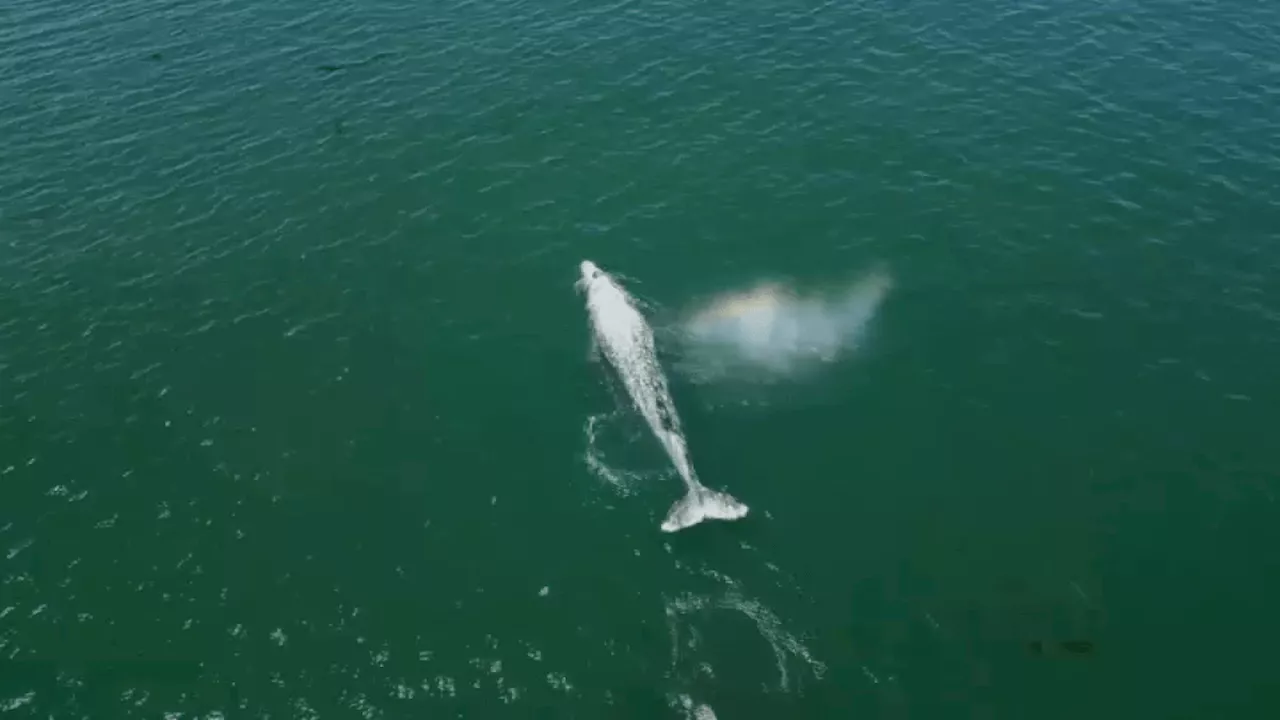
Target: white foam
<point>783,644</point>
<point>559,681</point>
<point>16,702</point>
<point>622,481</point>
<point>695,711</point>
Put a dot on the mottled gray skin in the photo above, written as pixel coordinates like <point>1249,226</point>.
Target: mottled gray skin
<point>626,341</point>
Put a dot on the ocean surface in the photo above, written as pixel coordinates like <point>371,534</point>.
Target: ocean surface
<point>300,417</point>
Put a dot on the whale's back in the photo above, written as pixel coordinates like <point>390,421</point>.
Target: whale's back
<point>617,321</point>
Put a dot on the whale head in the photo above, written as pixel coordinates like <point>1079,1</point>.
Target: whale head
<point>589,272</point>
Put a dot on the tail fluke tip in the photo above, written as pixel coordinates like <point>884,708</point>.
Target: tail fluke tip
<point>702,504</point>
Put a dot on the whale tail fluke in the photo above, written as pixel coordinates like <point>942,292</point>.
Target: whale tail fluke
<point>702,504</point>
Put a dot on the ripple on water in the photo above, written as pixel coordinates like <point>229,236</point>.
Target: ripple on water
<point>788,651</point>
<point>611,440</point>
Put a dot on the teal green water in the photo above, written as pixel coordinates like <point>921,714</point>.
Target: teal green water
<point>297,416</point>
